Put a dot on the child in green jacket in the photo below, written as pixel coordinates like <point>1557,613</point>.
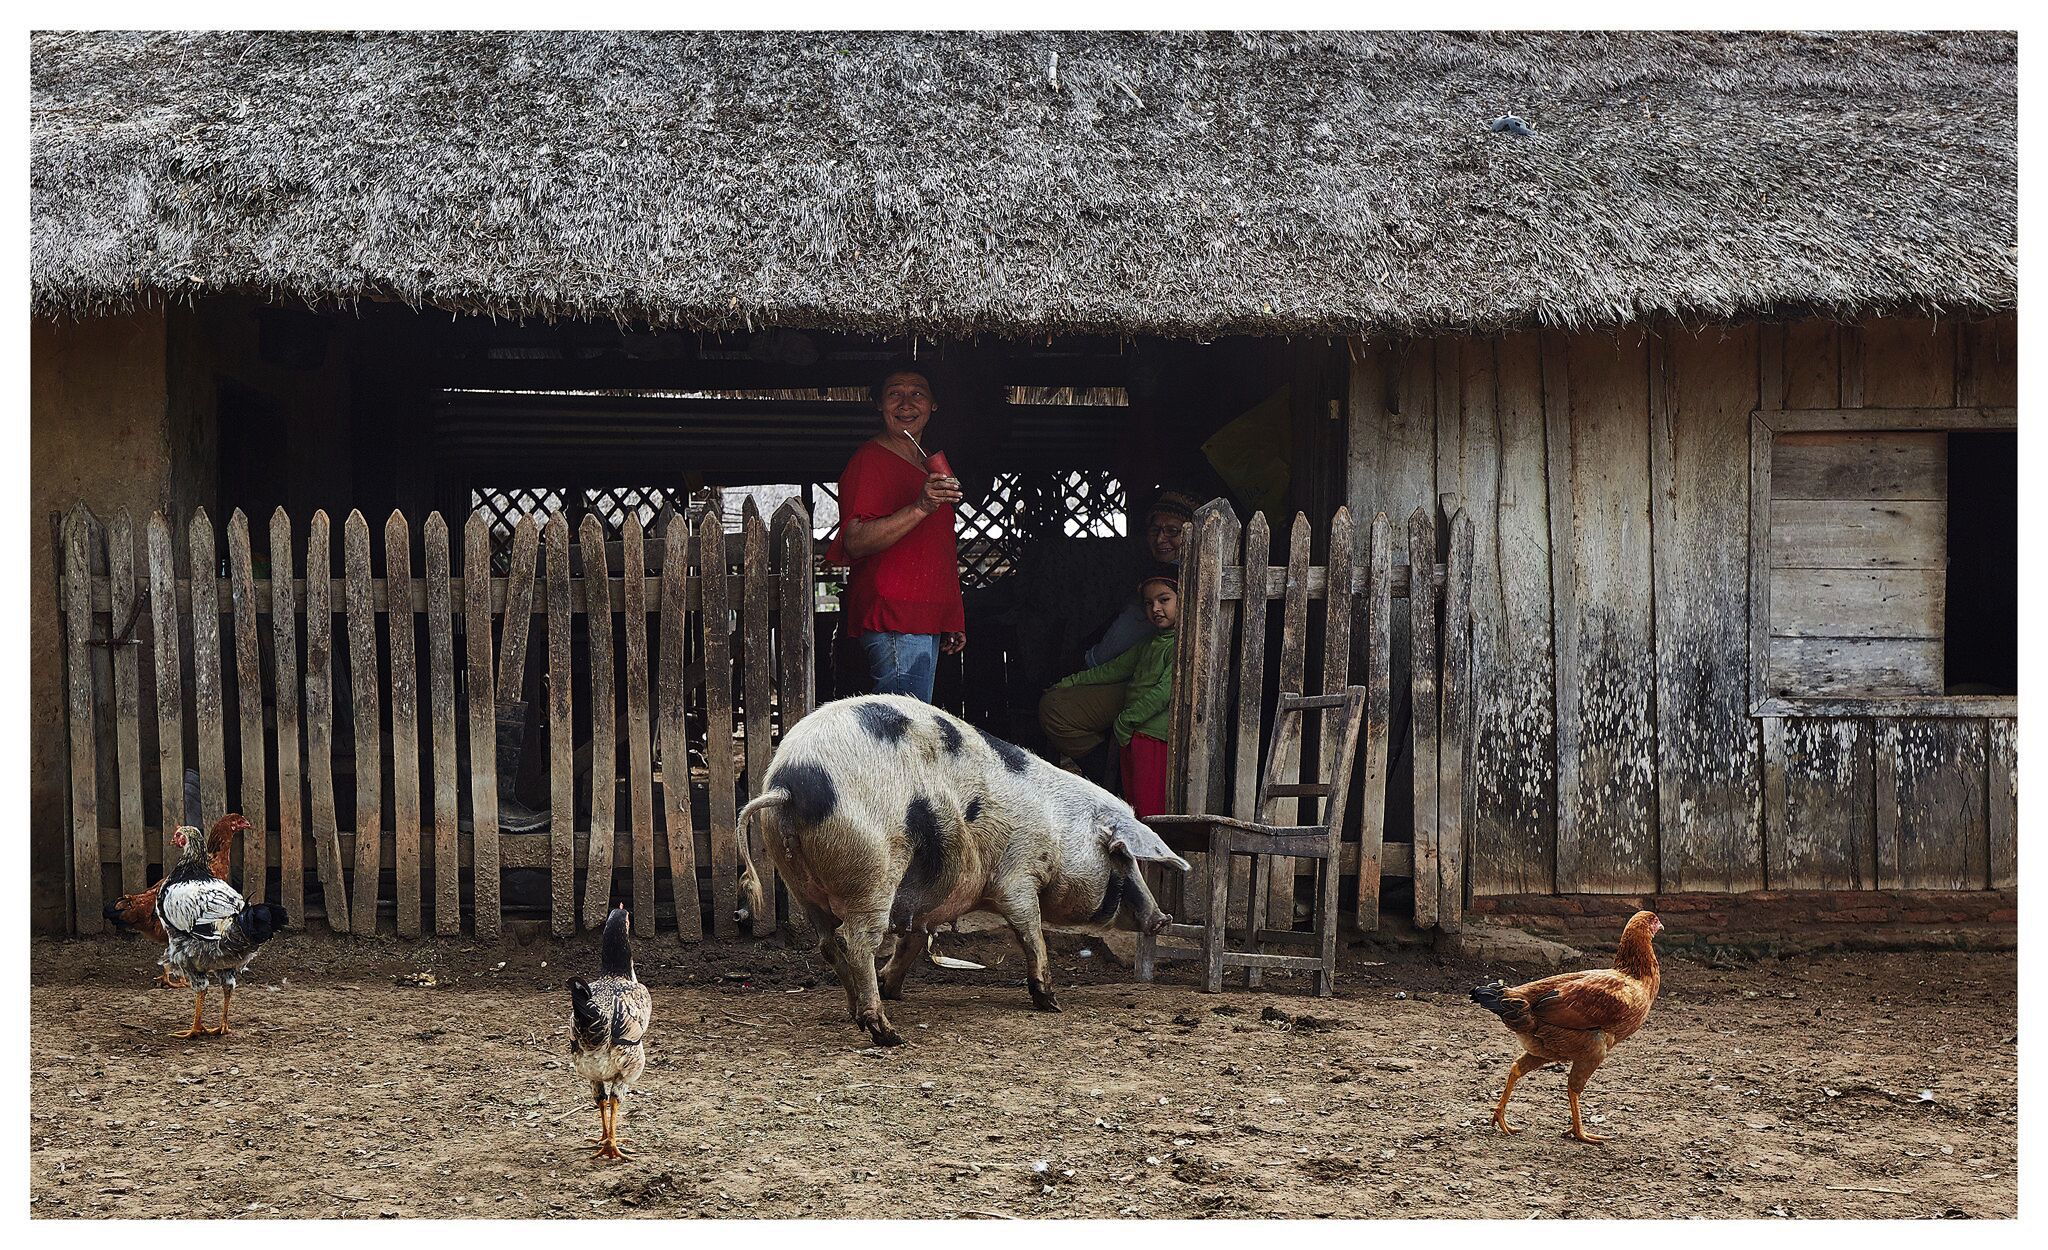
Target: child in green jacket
<point>1147,670</point>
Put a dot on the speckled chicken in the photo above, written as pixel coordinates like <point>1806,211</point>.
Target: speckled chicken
<point>1576,1018</point>
<point>137,911</point>
<point>209,929</point>
<point>611,1013</point>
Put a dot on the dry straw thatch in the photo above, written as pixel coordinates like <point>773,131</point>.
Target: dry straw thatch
<point>1183,184</point>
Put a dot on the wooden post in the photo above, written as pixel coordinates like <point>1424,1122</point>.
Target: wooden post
<point>1273,888</point>
<point>405,721</point>
<point>369,739</point>
<point>1337,595</point>
<point>1423,718</point>
<point>511,686</point>
<point>284,648</point>
<point>320,721</point>
<point>249,700</point>
<point>561,734</point>
<point>675,746</point>
<point>206,691</point>
<point>483,724</point>
<point>604,748</point>
<point>717,625</point>
<point>170,702</point>
<point>1251,685</point>
<point>757,682</point>
<point>639,752</point>
<point>1379,654</point>
<point>441,689</point>
<point>125,612</point>
<point>85,813</point>
<point>1455,726</point>
<point>797,688</point>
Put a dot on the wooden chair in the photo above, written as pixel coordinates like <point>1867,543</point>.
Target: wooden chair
<point>1224,836</point>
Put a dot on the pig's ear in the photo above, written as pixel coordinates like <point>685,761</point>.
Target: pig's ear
<point>1131,837</point>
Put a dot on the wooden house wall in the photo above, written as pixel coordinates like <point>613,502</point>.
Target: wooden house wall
<point>1608,476</point>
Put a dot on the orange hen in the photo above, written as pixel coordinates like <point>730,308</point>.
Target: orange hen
<point>1577,1018</point>
<point>137,912</point>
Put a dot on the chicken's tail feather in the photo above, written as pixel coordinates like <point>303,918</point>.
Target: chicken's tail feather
<point>1494,997</point>
<point>113,912</point>
<point>590,1024</point>
<point>261,922</point>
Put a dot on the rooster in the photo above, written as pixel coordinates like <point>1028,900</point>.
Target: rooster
<point>1576,1018</point>
<point>611,1013</point>
<point>208,929</point>
<point>136,913</point>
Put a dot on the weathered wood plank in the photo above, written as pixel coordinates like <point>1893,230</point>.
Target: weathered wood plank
<point>1857,603</point>
<point>248,701</point>
<point>518,613</point>
<point>716,622</point>
<point>1454,727</point>
<point>2002,796</point>
<point>206,688</point>
<point>284,651</point>
<point>1870,420</point>
<point>1707,746</point>
<point>1850,344</point>
<point>405,730</point>
<point>795,626</point>
<point>126,613</point>
<point>1610,844</point>
<point>79,537</point>
<point>1987,362</point>
<point>1366,415</point>
<point>1379,649</point>
<point>1858,465</point>
<point>1819,829</point>
<point>1908,362</point>
<point>1336,667</point>
<point>561,732</point>
<point>170,702</point>
<point>320,725</point>
<point>441,689</point>
<point>480,674</point>
<point>1423,725</point>
<point>757,682</point>
<point>1760,442</point>
<point>1510,846</point>
<point>1936,826</point>
<point>1559,457</point>
<point>1850,534</point>
<point>604,751</point>
<point>1215,711</point>
<point>1810,365</point>
<point>1849,667</point>
<point>1251,685</point>
<point>669,713</point>
<point>368,742</point>
<point>1277,872</point>
<point>639,750</point>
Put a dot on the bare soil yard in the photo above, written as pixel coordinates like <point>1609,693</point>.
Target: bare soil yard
<point>1787,1087</point>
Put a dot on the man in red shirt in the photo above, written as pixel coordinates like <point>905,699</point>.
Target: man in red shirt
<point>896,530</point>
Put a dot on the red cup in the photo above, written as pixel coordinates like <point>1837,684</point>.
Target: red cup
<point>936,463</point>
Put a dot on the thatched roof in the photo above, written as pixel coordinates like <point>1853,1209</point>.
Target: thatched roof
<point>1184,184</point>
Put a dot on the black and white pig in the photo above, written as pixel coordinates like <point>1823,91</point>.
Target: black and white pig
<point>887,815</point>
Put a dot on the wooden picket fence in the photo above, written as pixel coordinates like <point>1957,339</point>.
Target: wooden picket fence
<point>122,603</point>
<point>1224,694</point>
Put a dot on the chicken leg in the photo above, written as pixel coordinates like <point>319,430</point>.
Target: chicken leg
<point>610,1148</point>
<point>169,982</point>
<point>1581,1073</point>
<point>198,1009</point>
<point>227,1001</point>
<point>1523,1067</point>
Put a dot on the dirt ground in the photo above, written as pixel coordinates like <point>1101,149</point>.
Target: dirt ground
<point>1822,1086</point>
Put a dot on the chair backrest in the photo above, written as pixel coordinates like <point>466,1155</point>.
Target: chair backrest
<point>1345,713</point>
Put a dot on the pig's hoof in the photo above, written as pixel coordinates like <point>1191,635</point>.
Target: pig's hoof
<point>885,1036</point>
<point>1042,998</point>
<point>1160,924</point>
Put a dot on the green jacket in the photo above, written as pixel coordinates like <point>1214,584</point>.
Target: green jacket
<point>1148,701</point>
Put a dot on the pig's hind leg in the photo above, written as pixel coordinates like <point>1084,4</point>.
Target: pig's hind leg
<point>860,934</point>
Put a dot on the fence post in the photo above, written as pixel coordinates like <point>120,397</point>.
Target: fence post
<point>716,621</point>
<point>320,720</point>
<point>1422,679</point>
<point>368,741</point>
<point>447,788</point>
<point>79,535</point>
<point>1379,648</point>
<point>405,721</point>
<point>639,753</point>
<point>1455,727</point>
<point>483,724</point>
<point>675,745</point>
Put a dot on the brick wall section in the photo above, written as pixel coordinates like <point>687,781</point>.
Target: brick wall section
<point>1777,919</point>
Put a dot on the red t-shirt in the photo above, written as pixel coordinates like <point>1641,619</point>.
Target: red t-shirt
<point>914,586</point>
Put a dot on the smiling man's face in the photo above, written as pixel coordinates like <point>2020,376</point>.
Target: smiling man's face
<point>906,404</point>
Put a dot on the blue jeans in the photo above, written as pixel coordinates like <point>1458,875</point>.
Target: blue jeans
<point>902,663</point>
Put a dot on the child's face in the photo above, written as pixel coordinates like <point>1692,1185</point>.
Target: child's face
<point>1162,605</point>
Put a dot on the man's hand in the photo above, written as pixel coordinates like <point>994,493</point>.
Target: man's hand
<point>939,490</point>
<point>953,644</point>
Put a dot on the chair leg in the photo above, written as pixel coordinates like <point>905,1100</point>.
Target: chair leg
<point>1326,924</point>
<point>1215,927</point>
<point>1147,957</point>
<point>1262,875</point>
